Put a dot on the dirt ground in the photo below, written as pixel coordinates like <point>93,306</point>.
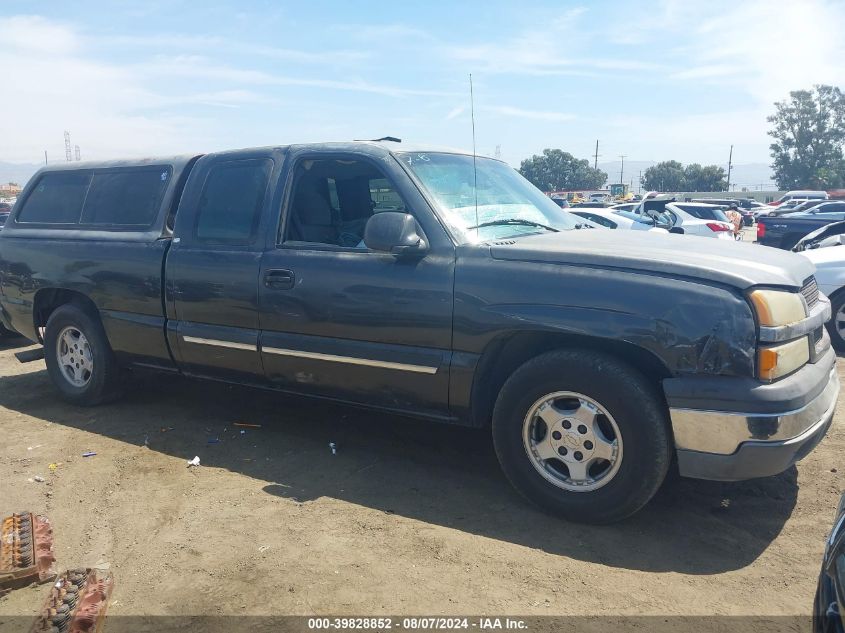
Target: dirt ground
<point>405,518</point>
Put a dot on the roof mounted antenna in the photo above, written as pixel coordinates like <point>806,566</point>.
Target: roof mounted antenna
<point>392,139</point>
<point>474,169</point>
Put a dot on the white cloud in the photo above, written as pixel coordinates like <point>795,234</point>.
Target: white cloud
<point>763,48</point>
<point>538,50</point>
<point>202,43</point>
<point>32,34</point>
<point>62,82</point>
<point>455,112</point>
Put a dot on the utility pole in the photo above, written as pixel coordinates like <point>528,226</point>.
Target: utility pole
<point>622,169</point>
<point>730,165</point>
<point>640,183</point>
<point>596,159</point>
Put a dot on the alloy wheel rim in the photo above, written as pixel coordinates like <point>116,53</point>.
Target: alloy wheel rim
<point>572,441</point>
<point>840,322</point>
<point>74,356</point>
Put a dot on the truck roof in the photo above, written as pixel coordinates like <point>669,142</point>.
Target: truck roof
<point>180,160</point>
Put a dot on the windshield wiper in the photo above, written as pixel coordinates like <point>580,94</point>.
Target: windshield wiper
<point>514,221</point>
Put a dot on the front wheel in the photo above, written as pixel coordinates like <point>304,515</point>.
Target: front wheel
<point>80,361</point>
<point>583,435</point>
<point>836,325</point>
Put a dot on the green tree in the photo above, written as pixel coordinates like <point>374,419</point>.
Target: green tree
<point>665,176</point>
<point>809,133</point>
<point>707,178</point>
<point>557,169</point>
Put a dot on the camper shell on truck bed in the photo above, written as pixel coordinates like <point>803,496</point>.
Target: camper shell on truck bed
<point>434,284</point>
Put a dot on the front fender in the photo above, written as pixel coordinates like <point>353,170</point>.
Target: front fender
<point>693,327</point>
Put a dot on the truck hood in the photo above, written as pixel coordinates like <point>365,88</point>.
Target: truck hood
<point>737,264</point>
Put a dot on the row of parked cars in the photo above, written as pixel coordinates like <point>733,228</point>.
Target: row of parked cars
<point>661,213</point>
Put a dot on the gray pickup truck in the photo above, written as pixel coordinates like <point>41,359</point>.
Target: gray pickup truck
<point>436,285</point>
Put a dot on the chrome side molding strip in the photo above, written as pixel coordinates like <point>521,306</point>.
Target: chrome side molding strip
<point>217,343</point>
<point>351,360</point>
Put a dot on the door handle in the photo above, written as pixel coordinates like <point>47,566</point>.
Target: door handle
<point>281,279</point>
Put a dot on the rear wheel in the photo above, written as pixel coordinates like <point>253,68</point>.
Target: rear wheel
<point>836,325</point>
<point>79,359</point>
<point>582,435</point>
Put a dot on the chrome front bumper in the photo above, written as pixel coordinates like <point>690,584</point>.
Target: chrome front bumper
<point>731,446</point>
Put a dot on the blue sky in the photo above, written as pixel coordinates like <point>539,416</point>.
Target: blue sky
<point>651,80</point>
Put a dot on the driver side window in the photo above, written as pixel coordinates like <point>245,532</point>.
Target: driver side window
<point>332,200</point>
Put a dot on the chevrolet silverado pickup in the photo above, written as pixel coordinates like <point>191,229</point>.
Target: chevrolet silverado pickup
<point>431,284</point>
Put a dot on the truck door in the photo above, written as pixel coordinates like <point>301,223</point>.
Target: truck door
<point>213,265</point>
<point>339,320</point>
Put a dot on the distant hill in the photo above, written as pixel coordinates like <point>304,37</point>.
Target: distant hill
<point>750,175</point>
<point>17,172</point>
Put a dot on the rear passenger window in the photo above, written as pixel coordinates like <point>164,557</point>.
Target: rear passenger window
<point>231,201</point>
<point>129,197</point>
<point>57,198</point>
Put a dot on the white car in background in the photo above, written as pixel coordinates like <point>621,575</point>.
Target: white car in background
<point>687,218</point>
<point>616,219</point>
<point>830,277</point>
<point>625,206</point>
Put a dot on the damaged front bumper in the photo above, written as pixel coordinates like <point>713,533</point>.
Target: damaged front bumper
<point>730,429</point>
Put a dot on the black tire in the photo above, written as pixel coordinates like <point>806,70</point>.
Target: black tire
<point>836,303</point>
<point>104,382</point>
<point>632,401</point>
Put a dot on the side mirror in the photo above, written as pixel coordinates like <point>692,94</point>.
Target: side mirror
<point>395,233</point>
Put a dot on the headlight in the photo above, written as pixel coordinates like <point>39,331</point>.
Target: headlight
<point>776,307</point>
<point>774,361</point>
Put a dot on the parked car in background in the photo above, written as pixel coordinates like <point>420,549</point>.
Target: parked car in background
<point>613,219</point>
<point>800,194</point>
<point>785,231</point>
<point>692,218</point>
<point>591,204</point>
<point>625,206</point>
<point>801,206</point>
<point>623,356</point>
<point>743,207</point>
<point>756,207</point>
<point>563,203</point>
<point>829,603</point>
<point>823,237</point>
<point>705,220</point>
<point>787,207</point>
<point>830,277</point>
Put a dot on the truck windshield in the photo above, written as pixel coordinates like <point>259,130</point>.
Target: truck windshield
<point>508,205</point>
